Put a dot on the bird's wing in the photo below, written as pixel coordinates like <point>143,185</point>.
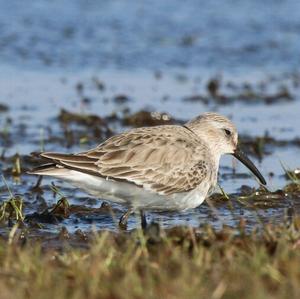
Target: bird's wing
<point>160,159</point>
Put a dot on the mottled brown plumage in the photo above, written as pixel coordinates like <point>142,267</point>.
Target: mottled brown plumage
<point>163,167</point>
<point>165,159</point>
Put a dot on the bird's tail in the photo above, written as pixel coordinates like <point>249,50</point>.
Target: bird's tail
<point>50,169</point>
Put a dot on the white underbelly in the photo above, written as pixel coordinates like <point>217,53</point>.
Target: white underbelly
<point>134,196</point>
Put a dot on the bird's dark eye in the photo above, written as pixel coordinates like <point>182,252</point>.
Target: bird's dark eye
<point>227,132</point>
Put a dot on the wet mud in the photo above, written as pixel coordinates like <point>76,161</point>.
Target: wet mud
<point>42,207</point>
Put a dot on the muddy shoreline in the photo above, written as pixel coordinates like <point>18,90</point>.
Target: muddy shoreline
<point>78,125</point>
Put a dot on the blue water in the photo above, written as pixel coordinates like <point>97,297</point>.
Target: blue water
<point>215,35</point>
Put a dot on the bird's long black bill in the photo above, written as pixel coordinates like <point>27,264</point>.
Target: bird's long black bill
<point>247,162</point>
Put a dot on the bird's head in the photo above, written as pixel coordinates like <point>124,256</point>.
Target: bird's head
<point>221,136</point>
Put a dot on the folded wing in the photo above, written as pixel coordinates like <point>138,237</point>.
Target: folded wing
<point>160,160</point>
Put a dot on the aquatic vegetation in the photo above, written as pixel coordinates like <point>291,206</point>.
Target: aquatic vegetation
<point>16,170</point>
<point>62,204</point>
<point>292,175</point>
<point>292,188</point>
<point>12,207</point>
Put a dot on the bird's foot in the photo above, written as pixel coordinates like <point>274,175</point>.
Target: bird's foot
<point>36,187</point>
<point>124,220</point>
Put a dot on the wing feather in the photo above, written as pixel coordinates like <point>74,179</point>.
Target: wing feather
<point>166,160</point>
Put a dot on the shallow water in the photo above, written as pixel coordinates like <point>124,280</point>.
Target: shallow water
<point>55,55</point>
<point>231,35</point>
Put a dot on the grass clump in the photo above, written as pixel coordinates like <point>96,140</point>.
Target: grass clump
<point>178,263</point>
<point>11,208</point>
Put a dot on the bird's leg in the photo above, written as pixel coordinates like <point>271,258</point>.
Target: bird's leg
<point>124,219</point>
<point>38,183</point>
<point>143,219</point>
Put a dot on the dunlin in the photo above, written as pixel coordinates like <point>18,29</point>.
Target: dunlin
<point>167,167</point>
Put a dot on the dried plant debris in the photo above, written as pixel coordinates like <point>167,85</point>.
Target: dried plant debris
<point>226,93</point>
<point>293,174</point>
<point>264,199</point>
<point>83,127</point>
<point>213,86</point>
<point>63,210</point>
<point>3,107</point>
<point>145,118</point>
<point>259,146</point>
<point>121,99</point>
<point>292,188</point>
<point>67,117</point>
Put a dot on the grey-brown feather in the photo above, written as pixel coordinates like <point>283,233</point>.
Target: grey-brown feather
<point>166,160</point>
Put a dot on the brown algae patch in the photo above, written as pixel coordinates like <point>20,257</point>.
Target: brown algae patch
<point>63,210</point>
<point>265,91</point>
<point>79,128</point>
<point>145,118</point>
